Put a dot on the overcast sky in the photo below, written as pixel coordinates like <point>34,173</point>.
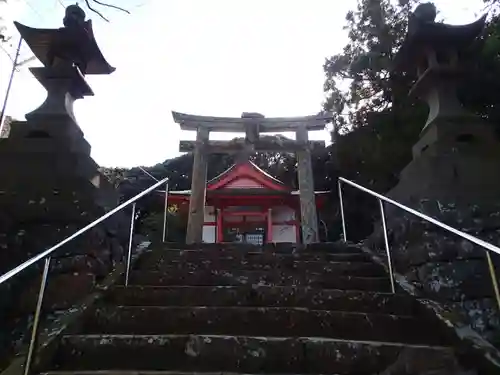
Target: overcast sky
<point>205,57</point>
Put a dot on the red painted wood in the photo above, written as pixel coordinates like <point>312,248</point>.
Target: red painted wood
<point>244,213</point>
<point>220,232</point>
<point>269,226</point>
<point>245,200</point>
<point>260,222</point>
<point>244,183</point>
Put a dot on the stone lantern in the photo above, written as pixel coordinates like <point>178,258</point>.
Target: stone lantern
<point>49,185</point>
<point>457,155</point>
<point>67,54</point>
<point>453,177</point>
<point>438,53</point>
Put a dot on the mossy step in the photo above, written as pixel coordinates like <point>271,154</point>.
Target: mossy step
<point>282,248</point>
<point>262,321</point>
<point>259,277</point>
<point>243,354</point>
<point>261,296</point>
<point>259,257</point>
<point>133,372</point>
<point>299,266</point>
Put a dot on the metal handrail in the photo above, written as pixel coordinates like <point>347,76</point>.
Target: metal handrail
<point>6,276</point>
<point>381,198</point>
<point>47,254</point>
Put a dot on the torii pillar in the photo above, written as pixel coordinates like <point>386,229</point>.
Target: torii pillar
<point>308,215</point>
<point>196,217</point>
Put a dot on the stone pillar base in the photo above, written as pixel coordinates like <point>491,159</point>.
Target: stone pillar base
<point>49,188</point>
<point>454,177</point>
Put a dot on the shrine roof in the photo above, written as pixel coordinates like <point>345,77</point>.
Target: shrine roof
<point>245,179</point>
<point>237,124</point>
<point>246,175</point>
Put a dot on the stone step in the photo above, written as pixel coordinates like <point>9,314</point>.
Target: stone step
<point>261,321</point>
<point>193,353</point>
<point>320,246</point>
<point>337,268</point>
<point>134,372</point>
<point>261,257</point>
<point>143,372</point>
<point>280,248</point>
<point>271,278</point>
<point>262,296</point>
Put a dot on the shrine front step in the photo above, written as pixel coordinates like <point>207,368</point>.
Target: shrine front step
<point>134,372</point>
<point>278,248</point>
<point>264,296</point>
<point>177,277</point>
<point>262,321</point>
<point>243,354</point>
<point>168,255</point>
<point>301,266</point>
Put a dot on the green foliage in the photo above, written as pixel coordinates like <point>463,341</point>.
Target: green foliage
<point>152,226</point>
<point>492,6</point>
<point>375,30</point>
<point>482,83</point>
<point>375,124</point>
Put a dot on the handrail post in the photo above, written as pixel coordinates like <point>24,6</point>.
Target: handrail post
<point>383,199</point>
<point>36,318</point>
<point>164,237</point>
<point>342,209</point>
<point>130,240</point>
<point>493,276</point>
<point>387,248</point>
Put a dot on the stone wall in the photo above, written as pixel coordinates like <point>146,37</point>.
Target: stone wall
<point>6,127</point>
<point>444,267</point>
<point>75,269</point>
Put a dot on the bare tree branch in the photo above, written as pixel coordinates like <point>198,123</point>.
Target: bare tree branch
<point>95,11</point>
<point>111,6</point>
<point>105,5</point>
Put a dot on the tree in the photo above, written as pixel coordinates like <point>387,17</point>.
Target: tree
<point>375,30</point>
<point>91,7</point>
<point>480,87</point>
<point>492,6</point>
<point>375,123</point>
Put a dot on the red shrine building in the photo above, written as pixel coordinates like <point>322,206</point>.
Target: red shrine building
<point>246,204</point>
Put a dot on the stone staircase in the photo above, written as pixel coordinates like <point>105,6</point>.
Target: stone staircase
<point>250,310</point>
